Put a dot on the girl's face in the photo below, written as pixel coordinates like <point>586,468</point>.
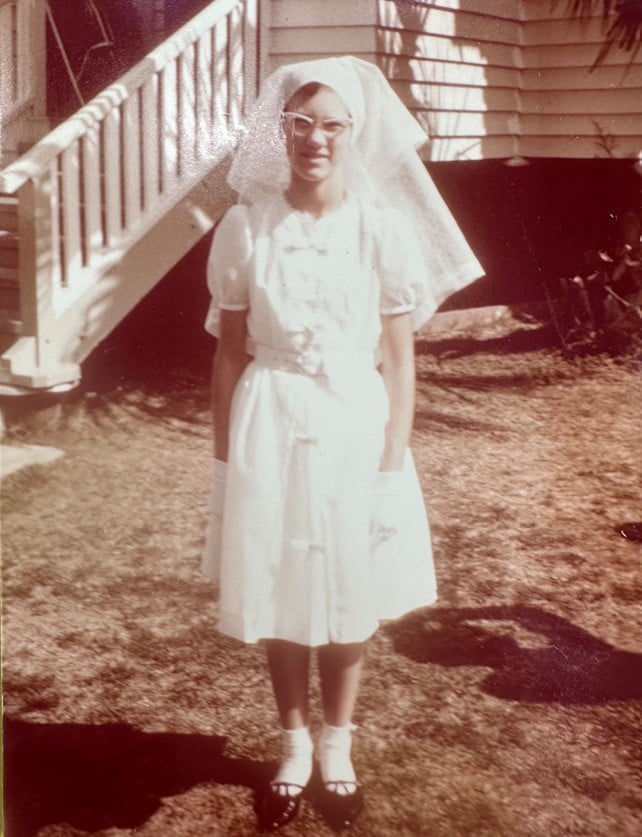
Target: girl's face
<point>318,141</point>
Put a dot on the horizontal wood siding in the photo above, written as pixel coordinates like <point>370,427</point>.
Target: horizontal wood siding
<point>485,78</point>
<point>567,110</point>
<point>455,64</point>
<point>572,78</point>
<point>299,30</point>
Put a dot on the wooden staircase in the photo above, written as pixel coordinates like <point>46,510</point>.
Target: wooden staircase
<point>98,211</point>
<point>10,323</point>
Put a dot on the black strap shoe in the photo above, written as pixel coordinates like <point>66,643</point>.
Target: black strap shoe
<point>275,807</point>
<point>340,803</point>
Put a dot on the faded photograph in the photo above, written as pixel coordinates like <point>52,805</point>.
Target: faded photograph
<point>321,400</point>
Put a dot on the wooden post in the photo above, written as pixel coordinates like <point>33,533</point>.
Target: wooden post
<point>39,260</point>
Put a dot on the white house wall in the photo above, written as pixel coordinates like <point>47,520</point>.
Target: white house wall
<point>456,65</point>
<point>485,78</point>
<point>566,110</point>
<point>297,30</point>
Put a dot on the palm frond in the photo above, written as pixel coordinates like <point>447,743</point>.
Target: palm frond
<point>625,30</point>
<point>585,8</point>
<point>622,21</point>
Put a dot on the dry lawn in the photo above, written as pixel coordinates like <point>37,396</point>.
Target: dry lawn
<point>512,708</point>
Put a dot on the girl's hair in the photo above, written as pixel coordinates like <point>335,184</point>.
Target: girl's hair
<point>309,90</point>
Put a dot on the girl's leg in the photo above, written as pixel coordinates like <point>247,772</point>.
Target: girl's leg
<point>289,666</point>
<point>340,671</point>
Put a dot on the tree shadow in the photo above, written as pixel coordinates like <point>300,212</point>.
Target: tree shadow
<point>106,776</point>
<point>536,656</point>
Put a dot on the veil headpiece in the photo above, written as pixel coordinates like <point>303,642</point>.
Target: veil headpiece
<point>383,166</point>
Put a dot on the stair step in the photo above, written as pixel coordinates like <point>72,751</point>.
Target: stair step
<point>9,249</point>
<point>8,213</point>
<point>9,277</point>
<point>9,297</point>
<point>10,322</point>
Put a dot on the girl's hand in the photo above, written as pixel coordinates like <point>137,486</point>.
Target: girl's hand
<point>217,488</point>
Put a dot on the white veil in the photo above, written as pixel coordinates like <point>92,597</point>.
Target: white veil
<point>384,167</point>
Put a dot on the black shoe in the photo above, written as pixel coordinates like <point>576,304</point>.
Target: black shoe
<point>275,809</point>
<point>340,809</point>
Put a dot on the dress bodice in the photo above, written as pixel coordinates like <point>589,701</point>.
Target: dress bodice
<point>313,283</point>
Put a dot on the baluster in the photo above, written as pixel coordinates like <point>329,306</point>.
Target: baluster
<point>250,53</point>
<point>169,127</point>
<point>151,145</point>
<point>49,218</point>
<point>220,85</point>
<point>235,49</point>
<point>204,134</point>
<point>90,162</point>
<point>131,140</point>
<point>187,111</point>
<point>71,227</point>
<point>111,174</point>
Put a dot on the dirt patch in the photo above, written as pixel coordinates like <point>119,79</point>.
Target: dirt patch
<point>511,708</point>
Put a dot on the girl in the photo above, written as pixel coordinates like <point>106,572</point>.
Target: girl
<point>340,246</point>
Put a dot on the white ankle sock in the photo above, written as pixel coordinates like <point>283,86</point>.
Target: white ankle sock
<point>296,760</point>
<point>334,758</point>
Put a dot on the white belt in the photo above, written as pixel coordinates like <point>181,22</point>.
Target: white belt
<point>339,366</point>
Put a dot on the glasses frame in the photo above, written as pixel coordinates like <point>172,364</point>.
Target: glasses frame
<point>288,118</point>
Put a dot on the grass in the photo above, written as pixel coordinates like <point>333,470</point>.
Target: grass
<point>511,708</point>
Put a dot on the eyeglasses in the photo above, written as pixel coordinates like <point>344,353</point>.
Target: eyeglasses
<point>300,125</point>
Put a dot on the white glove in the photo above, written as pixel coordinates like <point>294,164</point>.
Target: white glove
<point>388,510</point>
<point>210,562</point>
<point>217,488</point>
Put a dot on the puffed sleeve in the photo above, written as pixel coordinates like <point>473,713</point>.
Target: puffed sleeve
<point>228,264</point>
<point>401,266</point>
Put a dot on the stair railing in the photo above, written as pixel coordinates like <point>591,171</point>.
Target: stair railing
<point>99,181</point>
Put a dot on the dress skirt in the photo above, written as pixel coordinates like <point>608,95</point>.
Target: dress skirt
<point>298,560</point>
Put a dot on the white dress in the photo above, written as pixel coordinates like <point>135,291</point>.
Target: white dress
<point>297,560</point>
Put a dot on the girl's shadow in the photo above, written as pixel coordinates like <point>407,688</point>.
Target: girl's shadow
<point>535,656</point>
<point>107,776</point>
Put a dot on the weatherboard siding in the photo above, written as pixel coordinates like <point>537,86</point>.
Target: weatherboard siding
<point>485,78</point>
